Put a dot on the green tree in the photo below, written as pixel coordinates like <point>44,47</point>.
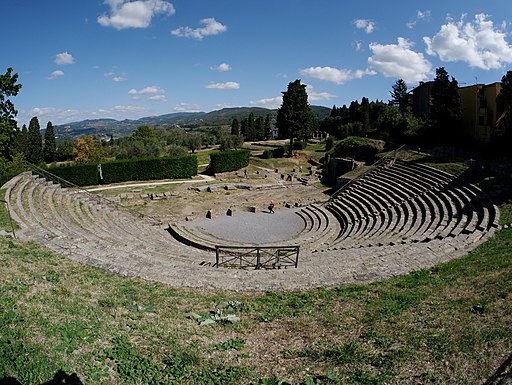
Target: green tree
<point>50,146</point>
<point>503,131</point>
<point>144,132</point>
<point>354,112</point>
<point>334,111</point>
<point>34,152</point>
<point>23,140</point>
<point>446,113</point>
<point>194,141</point>
<point>259,128</point>
<point>399,95</point>
<point>235,127</point>
<point>238,141</point>
<point>365,115</point>
<point>64,151</point>
<point>267,128</point>
<point>505,96</point>
<point>294,117</point>
<point>8,89</point>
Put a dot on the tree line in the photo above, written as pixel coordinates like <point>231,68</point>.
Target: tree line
<point>393,121</point>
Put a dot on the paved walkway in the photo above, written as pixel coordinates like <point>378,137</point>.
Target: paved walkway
<point>150,184</point>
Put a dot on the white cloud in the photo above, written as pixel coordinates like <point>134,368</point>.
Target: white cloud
<point>115,78</point>
<point>152,93</point>
<point>477,43</point>
<point>268,103</point>
<point>50,111</point>
<point>220,106</point>
<point>56,74</point>
<point>366,25</point>
<point>334,75</point>
<point>423,15</point>
<point>223,86</point>
<point>399,61</point>
<point>186,107</point>
<point>134,14</point>
<point>62,116</point>
<point>211,27</point>
<point>147,90</point>
<point>158,98</point>
<point>317,96</point>
<point>420,15</point>
<point>64,58</point>
<point>223,67</point>
<point>128,108</point>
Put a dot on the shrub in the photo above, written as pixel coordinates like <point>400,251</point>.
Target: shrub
<point>358,148</point>
<point>267,154</point>
<point>126,170</point>
<point>230,160</point>
<point>329,143</point>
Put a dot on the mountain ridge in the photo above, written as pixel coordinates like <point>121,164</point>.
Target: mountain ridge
<point>188,120</point>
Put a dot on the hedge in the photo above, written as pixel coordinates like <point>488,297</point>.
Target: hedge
<point>277,152</point>
<point>229,160</point>
<point>358,148</point>
<point>127,170</point>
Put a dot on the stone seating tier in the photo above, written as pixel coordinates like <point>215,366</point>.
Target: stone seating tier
<point>397,218</point>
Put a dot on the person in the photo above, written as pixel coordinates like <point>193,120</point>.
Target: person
<point>271,207</point>
<point>100,174</point>
<point>300,169</point>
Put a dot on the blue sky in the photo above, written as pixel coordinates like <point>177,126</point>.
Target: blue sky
<point>125,59</point>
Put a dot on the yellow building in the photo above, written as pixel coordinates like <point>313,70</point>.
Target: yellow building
<point>480,110</point>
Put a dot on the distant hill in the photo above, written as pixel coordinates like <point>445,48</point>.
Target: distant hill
<point>122,128</point>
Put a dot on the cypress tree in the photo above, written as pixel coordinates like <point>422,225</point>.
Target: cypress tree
<point>259,128</point>
<point>267,128</point>
<point>34,142</point>
<point>235,127</point>
<point>294,117</point>
<point>399,95</point>
<point>23,141</point>
<point>251,128</point>
<point>50,147</point>
<point>446,113</point>
<point>365,115</point>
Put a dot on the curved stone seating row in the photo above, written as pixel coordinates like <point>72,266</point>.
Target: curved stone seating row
<point>320,227</point>
<point>82,225</point>
<point>320,230</point>
<point>390,222</point>
<point>398,203</point>
<point>403,202</point>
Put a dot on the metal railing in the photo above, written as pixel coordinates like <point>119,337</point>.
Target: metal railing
<point>9,215</point>
<point>257,257</point>
<point>94,197</point>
